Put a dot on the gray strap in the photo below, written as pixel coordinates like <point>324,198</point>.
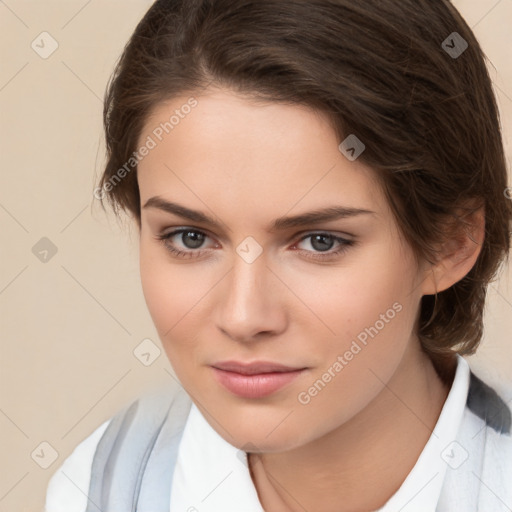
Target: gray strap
<point>488,405</point>
<point>156,480</point>
<point>105,450</point>
<point>134,461</point>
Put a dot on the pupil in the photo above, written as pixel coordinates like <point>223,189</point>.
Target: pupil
<point>316,238</point>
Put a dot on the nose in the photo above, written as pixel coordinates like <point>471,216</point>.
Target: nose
<point>249,301</point>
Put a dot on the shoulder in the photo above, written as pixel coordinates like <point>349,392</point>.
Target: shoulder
<point>492,406</point>
<point>488,435</point>
<point>479,463</point>
<point>67,489</point>
<point>134,425</point>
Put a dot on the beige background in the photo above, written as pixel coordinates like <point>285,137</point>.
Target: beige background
<point>69,325</point>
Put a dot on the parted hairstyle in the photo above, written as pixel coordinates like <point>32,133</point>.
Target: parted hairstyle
<point>379,69</point>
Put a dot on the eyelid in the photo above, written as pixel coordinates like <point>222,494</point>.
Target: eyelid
<point>175,230</point>
<point>331,232</point>
<point>183,229</point>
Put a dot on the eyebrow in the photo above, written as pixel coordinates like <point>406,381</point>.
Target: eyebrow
<point>281,223</point>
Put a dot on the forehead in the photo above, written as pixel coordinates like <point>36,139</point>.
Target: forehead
<point>241,150</point>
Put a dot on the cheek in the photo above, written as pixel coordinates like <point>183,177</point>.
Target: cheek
<point>366,314</point>
<point>170,297</point>
<point>373,329</point>
<point>172,293</point>
<point>343,301</point>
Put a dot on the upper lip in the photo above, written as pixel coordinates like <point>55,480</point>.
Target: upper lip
<point>254,368</point>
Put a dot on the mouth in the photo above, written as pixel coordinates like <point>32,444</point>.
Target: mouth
<point>254,380</point>
<point>255,368</point>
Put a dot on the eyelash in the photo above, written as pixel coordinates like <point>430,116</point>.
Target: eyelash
<point>344,245</point>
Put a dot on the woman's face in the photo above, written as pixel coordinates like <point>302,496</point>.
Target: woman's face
<point>337,297</point>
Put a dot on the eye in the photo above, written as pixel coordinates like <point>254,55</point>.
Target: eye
<point>191,239</point>
<point>323,242</point>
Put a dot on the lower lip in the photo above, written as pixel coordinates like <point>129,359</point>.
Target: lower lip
<point>255,386</point>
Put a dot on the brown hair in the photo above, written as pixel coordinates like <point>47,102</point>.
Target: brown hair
<point>379,69</point>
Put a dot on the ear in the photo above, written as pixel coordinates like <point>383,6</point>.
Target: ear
<point>458,255</point>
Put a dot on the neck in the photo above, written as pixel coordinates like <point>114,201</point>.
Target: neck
<point>334,472</point>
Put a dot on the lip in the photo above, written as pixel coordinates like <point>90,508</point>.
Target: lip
<point>256,379</point>
<point>254,367</point>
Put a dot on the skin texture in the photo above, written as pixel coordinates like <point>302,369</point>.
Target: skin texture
<point>246,164</point>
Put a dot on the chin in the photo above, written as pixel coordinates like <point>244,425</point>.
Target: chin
<point>261,433</point>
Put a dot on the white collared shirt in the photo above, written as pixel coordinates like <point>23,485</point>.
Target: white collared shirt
<point>212,475</point>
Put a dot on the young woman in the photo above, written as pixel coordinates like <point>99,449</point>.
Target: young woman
<point>320,190</point>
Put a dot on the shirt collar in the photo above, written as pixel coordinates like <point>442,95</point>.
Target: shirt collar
<point>421,489</point>
<point>212,475</point>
